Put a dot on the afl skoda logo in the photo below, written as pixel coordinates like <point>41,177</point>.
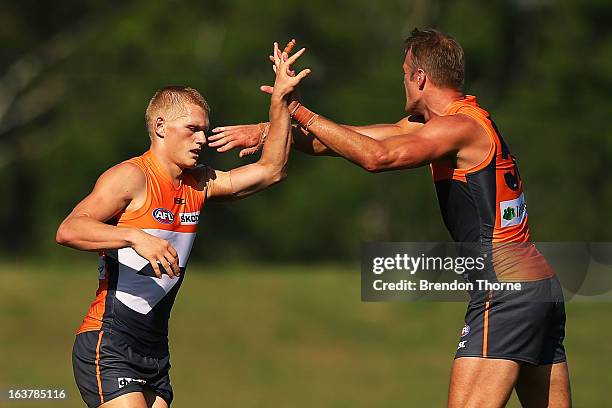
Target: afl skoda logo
<point>164,216</point>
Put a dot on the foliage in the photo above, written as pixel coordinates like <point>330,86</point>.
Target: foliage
<point>542,69</point>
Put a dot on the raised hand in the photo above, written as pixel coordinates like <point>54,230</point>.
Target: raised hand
<point>288,48</point>
<point>249,138</point>
<point>286,79</point>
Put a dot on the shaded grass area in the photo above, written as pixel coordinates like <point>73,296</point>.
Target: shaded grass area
<point>263,336</point>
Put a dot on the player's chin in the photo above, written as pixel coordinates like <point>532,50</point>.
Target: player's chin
<point>190,161</point>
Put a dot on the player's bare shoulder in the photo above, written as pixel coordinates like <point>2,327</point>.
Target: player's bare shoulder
<point>466,138</point>
<point>124,181</point>
<point>461,130</point>
<point>122,187</point>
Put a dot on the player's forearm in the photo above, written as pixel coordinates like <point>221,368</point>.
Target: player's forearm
<point>88,234</point>
<point>378,132</point>
<point>278,143</point>
<point>305,142</point>
<point>360,149</point>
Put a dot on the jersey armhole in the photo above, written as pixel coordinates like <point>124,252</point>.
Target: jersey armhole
<point>492,145</point>
<point>200,182</point>
<point>137,212</point>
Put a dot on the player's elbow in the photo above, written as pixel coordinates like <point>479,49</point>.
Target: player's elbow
<point>273,173</point>
<point>376,162</point>
<point>62,235</point>
<point>278,176</point>
<point>65,235</point>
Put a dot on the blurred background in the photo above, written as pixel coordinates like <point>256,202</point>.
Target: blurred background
<point>270,314</point>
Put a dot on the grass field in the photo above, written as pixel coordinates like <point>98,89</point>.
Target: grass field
<point>275,337</point>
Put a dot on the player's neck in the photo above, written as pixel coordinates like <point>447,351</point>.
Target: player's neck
<point>438,100</point>
<point>172,170</point>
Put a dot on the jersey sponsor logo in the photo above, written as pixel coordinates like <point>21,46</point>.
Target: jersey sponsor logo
<point>191,218</point>
<point>465,331</point>
<point>123,381</point>
<point>513,212</point>
<point>461,344</point>
<point>164,216</point>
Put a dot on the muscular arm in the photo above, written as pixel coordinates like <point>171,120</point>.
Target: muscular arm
<point>121,187</point>
<point>85,227</point>
<point>249,137</point>
<point>308,143</point>
<point>440,137</point>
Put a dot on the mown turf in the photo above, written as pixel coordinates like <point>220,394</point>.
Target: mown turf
<point>278,336</point>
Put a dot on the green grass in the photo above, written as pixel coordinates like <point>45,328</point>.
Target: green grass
<point>275,336</point>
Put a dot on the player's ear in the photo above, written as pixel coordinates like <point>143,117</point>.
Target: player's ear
<point>160,129</point>
<point>421,78</point>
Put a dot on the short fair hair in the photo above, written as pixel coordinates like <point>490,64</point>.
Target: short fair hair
<point>170,103</point>
<point>439,55</point>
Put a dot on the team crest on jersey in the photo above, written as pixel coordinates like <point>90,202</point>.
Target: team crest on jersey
<point>191,218</point>
<point>513,212</point>
<point>465,331</point>
<point>162,215</point>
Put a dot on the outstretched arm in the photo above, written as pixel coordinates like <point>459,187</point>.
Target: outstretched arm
<point>307,142</point>
<point>250,138</point>
<point>270,168</point>
<point>441,137</point>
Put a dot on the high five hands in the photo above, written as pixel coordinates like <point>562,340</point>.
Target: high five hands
<point>286,80</point>
<point>249,137</point>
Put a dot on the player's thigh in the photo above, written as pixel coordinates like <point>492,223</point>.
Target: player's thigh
<point>134,399</point>
<point>137,399</point>
<point>481,382</point>
<point>154,400</point>
<point>544,386</point>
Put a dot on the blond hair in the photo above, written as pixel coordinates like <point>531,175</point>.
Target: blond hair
<point>171,102</point>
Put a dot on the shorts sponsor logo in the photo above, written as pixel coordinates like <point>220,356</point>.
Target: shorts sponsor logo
<point>513,212</point>
<point>123,381</point>
<point>164,216</point>
<point>461,344</point>
<point>465,331</point>
<point>191,218</point>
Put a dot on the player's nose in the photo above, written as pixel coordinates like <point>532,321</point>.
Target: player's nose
<point>201,138</point>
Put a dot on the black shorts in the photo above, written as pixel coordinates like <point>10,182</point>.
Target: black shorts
<point>526,326</point>
<point>106,367</point>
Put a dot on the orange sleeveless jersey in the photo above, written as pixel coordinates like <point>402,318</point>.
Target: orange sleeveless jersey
<point>130,301</point>
<point>486,204</point>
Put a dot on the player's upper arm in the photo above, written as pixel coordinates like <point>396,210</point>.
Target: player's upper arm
<point>236,183</point>
<point>440,137</point>
<point>404,126</point>
<point>114,191</point>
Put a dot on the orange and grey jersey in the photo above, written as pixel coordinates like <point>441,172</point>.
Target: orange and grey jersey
<point>485,204</point>
<point>130,300</point>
